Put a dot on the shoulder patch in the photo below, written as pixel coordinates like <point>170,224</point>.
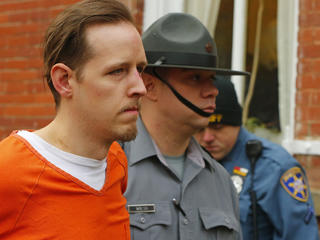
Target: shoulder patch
<point>293,181</point>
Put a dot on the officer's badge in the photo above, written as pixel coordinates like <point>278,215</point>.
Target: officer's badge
<point>237,182</point>
<point>293,181</point>
<point>238,177</point>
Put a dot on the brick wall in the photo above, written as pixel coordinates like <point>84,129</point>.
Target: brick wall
<point>308,90</point>
<point>308,80</point>
<point>25,101</point>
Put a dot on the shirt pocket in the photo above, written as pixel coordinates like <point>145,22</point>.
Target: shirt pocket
<point>219,224</point>
<point>149,226</point>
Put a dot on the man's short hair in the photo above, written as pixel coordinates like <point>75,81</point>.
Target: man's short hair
<point>65,40</point>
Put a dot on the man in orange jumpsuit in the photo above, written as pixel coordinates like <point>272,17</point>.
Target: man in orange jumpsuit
<point>65,181</point>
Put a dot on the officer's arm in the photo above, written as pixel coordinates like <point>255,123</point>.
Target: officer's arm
<point>289,205</point>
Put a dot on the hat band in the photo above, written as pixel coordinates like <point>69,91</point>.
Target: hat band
<point>183,59</point>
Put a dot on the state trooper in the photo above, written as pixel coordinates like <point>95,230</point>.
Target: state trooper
<point>275,200</point>
<point>175,189</point>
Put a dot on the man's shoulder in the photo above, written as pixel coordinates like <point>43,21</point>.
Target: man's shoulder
<point>19,167</point>
<point>14,151</point>
<point>277,154</point>
<point>273,153</point>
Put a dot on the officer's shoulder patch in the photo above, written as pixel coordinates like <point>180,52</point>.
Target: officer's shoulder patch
<point>293,181</point>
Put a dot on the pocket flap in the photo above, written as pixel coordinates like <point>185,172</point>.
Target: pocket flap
<point>213,217</point>
<point>161,216</point>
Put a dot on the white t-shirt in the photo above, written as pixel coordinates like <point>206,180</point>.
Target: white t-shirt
<point>90,171</point>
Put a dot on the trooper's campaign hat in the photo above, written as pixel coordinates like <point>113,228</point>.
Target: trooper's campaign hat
<point>179,40</point>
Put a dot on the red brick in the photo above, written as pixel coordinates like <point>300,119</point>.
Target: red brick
<point>26,98</point>
<point>313,177</point>
<point>315,68</point>
<point>3,19</point>
<point>4,133</point>
<point>315,129</point>
<point>303,20</point>
<point>307,81</point>
<point>316,5</point>
<point>304,66</point>
<point>21,28</point>
<point>305,36</point>
<point>309,51</point>
<point>313,113</point>
<point>24,122</point>
<point>301,114</point>
<point>309,19</point>
<point>316,35</point>
<point>20,75</point>
<point>31,51</point>
<point>301,130</point>
<point>315,162</point>
<point>303,98</point>
<point>305,5</point>
<point>10,64</point>
<point>303,160</point>
<point>25,87</point>
<point>35,4</point>
<point>25,40</point>
<point>27,111</point>
<point>34,16</point>
<point>315,98</point>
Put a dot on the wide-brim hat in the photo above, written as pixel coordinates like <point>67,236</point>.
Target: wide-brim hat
<point>179,40</point>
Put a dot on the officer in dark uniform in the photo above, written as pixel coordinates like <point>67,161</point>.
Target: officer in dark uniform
<point>281,206</point>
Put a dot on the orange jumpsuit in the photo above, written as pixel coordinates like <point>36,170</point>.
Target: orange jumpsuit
<point>40,201</point>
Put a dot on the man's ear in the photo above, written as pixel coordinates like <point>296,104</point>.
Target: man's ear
<point>150,83</point>
<point>60,75</point>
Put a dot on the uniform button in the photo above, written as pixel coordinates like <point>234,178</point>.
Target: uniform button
<point>142,220</point>
<point>185,221</point>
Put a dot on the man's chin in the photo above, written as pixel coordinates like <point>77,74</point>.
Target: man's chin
<point>128,135</point>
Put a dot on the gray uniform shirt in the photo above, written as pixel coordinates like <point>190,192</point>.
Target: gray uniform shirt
<point>203,205</point>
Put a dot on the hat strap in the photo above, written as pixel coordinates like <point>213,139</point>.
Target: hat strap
<point>182,99</point>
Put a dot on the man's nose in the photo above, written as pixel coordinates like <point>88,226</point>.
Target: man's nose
<point>138,88</point>
<point>210,90</point>
<point>208,136</point>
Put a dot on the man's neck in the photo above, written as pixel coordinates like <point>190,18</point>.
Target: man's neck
<point>171,140</point>
<point>67,136</point>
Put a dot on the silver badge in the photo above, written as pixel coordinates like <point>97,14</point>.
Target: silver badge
<point>237,182</point>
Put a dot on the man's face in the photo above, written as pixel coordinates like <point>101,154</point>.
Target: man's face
<point>218,139</point>
<point>197,86</point>
<point>106,97</point>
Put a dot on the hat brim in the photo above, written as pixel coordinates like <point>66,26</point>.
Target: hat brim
<point>219,71</point>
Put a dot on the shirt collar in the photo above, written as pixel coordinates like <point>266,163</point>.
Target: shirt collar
<point>144,147</point>
<point>242,138</point>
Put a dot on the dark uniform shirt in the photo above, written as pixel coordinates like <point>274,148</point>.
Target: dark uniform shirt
<point>203,205</point>
<point>285,207</point>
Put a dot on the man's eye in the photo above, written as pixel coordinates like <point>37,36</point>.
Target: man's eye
<point>117,71</point>
<point>196,77</point>
<point>140,69</point>
<point>216,126</point>
<point>201,130</point>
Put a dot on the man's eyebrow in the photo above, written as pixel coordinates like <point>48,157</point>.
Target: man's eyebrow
<point>123,64</point>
